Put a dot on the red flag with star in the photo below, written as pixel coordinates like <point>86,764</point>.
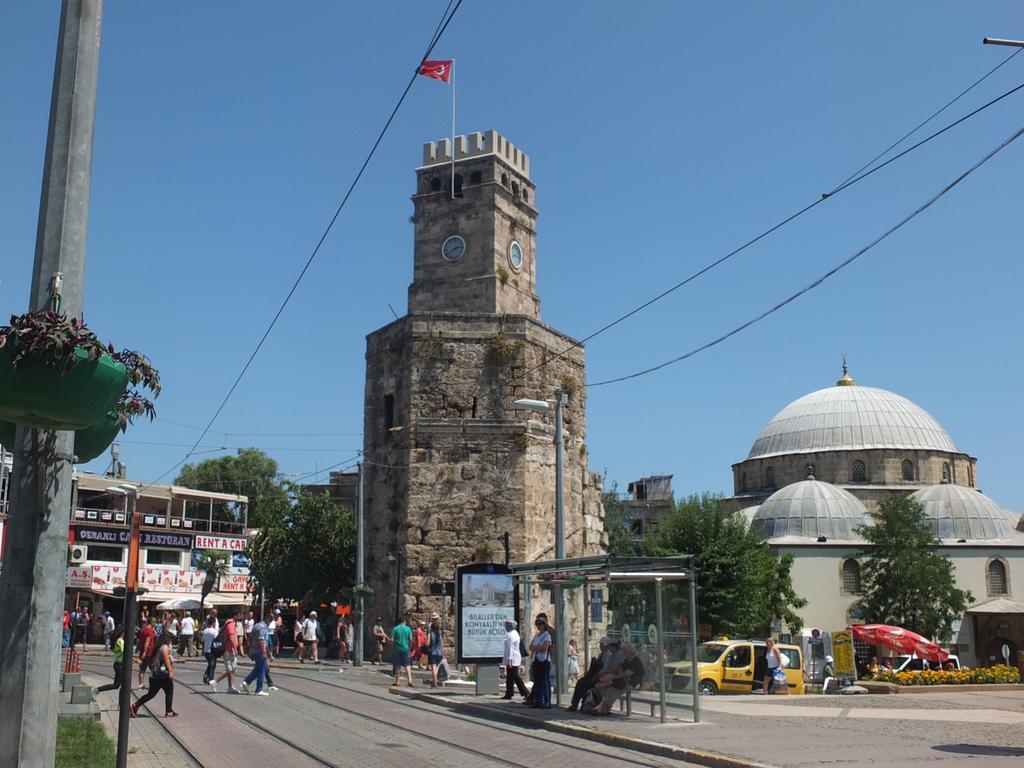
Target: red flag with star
<point>439,69</point>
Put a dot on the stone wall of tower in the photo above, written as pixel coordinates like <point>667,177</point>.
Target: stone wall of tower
<point>451,465</point>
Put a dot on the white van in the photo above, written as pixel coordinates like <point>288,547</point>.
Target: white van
<point>912,663</point>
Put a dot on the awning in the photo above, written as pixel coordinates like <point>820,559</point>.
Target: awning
<point>87,482</point>
<point>997,605</point>
<point>156,596</point>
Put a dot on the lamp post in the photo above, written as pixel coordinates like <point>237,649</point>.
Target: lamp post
<point>395,557</point>
<point>358,638</point>
<point>131,583</point>
<point>561,640</point>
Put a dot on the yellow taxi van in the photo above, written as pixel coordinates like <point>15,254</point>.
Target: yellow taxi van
<point>735,666</point>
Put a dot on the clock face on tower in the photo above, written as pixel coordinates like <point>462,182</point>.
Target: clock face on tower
<point>453,249</point>
<point>515,255</point>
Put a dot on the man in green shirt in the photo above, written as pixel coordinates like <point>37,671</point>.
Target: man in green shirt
<point>118,639</point>
<point>401,636</point>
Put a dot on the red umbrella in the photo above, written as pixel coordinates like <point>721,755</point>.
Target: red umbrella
<point>898,639</point>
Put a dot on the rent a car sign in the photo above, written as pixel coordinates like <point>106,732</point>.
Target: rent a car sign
<point>228,543</point>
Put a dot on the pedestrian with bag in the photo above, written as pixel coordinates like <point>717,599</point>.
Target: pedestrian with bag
<point>435,647</point>
<point>402,637</point>
<point>260,662</point>
<point>540,651</point>
<point>311,636</point>
<point>213,649</point>
<point>232,648</point>
<point>773,664</point>
<point>161,677</point>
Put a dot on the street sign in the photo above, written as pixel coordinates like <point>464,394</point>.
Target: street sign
<point>842,653</point>
<point>597,605</point>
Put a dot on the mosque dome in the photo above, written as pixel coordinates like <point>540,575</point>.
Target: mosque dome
<point>850,417</point>
<point>958,512</point>
<point>810,509</point>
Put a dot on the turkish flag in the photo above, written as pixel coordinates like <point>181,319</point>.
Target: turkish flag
<point>438,69</point>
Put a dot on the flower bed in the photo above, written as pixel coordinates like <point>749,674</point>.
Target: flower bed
<point>998,675</point>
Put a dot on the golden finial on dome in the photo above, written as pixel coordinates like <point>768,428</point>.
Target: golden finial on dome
<point>846,380</point>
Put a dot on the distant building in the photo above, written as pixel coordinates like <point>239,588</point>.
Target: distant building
<point>649,502</point>
<point>824,462</point>
<point>343,488</point>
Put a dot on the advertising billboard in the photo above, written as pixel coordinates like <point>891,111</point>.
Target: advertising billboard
<point>486,597</point>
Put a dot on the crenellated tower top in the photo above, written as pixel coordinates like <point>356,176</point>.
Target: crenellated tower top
<point>476,145</point>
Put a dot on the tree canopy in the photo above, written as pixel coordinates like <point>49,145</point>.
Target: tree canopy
<point>306,548</point>
<point>742,585</point>
<point>906,581</point>
<point>250,472</point>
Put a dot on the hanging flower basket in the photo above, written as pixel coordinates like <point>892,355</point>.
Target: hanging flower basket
<point>363,591</point>
<point>39,395</point>
<point>89,442</point>
<point>55,374</point>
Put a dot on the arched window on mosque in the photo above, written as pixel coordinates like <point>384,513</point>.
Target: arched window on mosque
<point>947,474</point>
<point>997,584</point>
<point>908,469</point>
<point>859,472</point>
<point>851,577</point>
<point>769,477</point>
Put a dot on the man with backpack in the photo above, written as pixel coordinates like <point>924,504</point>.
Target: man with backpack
<point>229,636</point>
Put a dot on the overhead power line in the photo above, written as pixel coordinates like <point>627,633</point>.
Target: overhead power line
<point>446,19</point>
<point>859,176</point>
<point>811,286</point>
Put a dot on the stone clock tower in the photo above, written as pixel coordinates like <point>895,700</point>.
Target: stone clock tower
<point>450,466</point>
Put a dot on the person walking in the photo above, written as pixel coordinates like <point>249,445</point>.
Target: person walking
<point>540,649</point>
<point>209,635</point>
<point>402,636</point>
<point>341,638</point>
<point>573,662</point>
<point>117,638</point>
<point>310,635</point>
<point>172,627</point>
<point>161,677</point>
<point>65,629</point>
<point>511,660</point>
<point>146,645</point>
<point>108,630</point>
<point>300,643</point>
<point>232,648</point>
<point>247,625</point>
<point>278,639</point>
<point>187,645</point>
<point>435,647</point>
<point>773,660</point>
<point>271,634</point>
<point>381,638</point>
<point>260,652</point>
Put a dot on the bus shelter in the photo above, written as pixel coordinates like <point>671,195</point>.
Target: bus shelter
<point>605,570</point>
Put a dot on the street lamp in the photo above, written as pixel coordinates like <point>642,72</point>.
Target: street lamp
<point>561,641</point>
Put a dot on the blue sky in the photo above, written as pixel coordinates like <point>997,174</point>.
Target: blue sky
<point>661,135</point>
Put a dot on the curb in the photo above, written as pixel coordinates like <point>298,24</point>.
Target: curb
<point>697,756</point>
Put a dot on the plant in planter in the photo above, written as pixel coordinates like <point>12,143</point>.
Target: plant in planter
<point>56,374</point>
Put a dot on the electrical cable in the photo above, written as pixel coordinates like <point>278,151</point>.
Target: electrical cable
<point>438,33</point>
<point>841,265</point>
<point>825,196</point>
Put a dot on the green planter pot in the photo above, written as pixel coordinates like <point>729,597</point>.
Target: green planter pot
<point>39,396</point>
<point>89,442</point>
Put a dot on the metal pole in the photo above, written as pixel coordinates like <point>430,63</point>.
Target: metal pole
<point>660,618</point>
<point>398,586</point>
<point>1002,41</point>
<point>453,127</point>
<point>357,650</point>
<point>694,667</point>
<point>586,627</point>
<point>32,586</point>
<point>124,694</point>
<point>562,636</point>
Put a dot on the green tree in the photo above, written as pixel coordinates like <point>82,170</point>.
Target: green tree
<point>215,566</point>
<point>742,585</point>
<point>617,526</point>
<point>306,548</point>
<point>906,581</point>
<point>250,472</point>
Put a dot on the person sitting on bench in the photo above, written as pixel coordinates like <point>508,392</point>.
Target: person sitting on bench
<point>629,675</point>
<point>609,660</point>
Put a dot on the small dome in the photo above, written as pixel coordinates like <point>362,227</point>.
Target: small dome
<point>958,512</point>
<point>810,509</point>
<point>850,417</point>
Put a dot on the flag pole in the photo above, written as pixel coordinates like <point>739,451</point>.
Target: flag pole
<point>453,127</point>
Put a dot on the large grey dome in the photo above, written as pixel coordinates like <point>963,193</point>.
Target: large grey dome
<point>811,509</point>
<point>849,417</point>
<point>957,512</point>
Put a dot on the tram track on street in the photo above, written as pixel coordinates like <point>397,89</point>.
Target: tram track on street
<point>280,675</point>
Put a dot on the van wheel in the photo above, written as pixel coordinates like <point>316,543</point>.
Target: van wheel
<point>708,687</point>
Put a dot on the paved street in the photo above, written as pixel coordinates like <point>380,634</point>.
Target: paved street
<point>323,718</point>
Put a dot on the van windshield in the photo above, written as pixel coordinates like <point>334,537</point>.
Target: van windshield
<point>710,652</point>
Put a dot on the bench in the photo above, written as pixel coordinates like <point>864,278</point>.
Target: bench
<point>626,702</point>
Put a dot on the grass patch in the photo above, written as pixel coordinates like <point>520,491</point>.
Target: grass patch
<point>82,743</point>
